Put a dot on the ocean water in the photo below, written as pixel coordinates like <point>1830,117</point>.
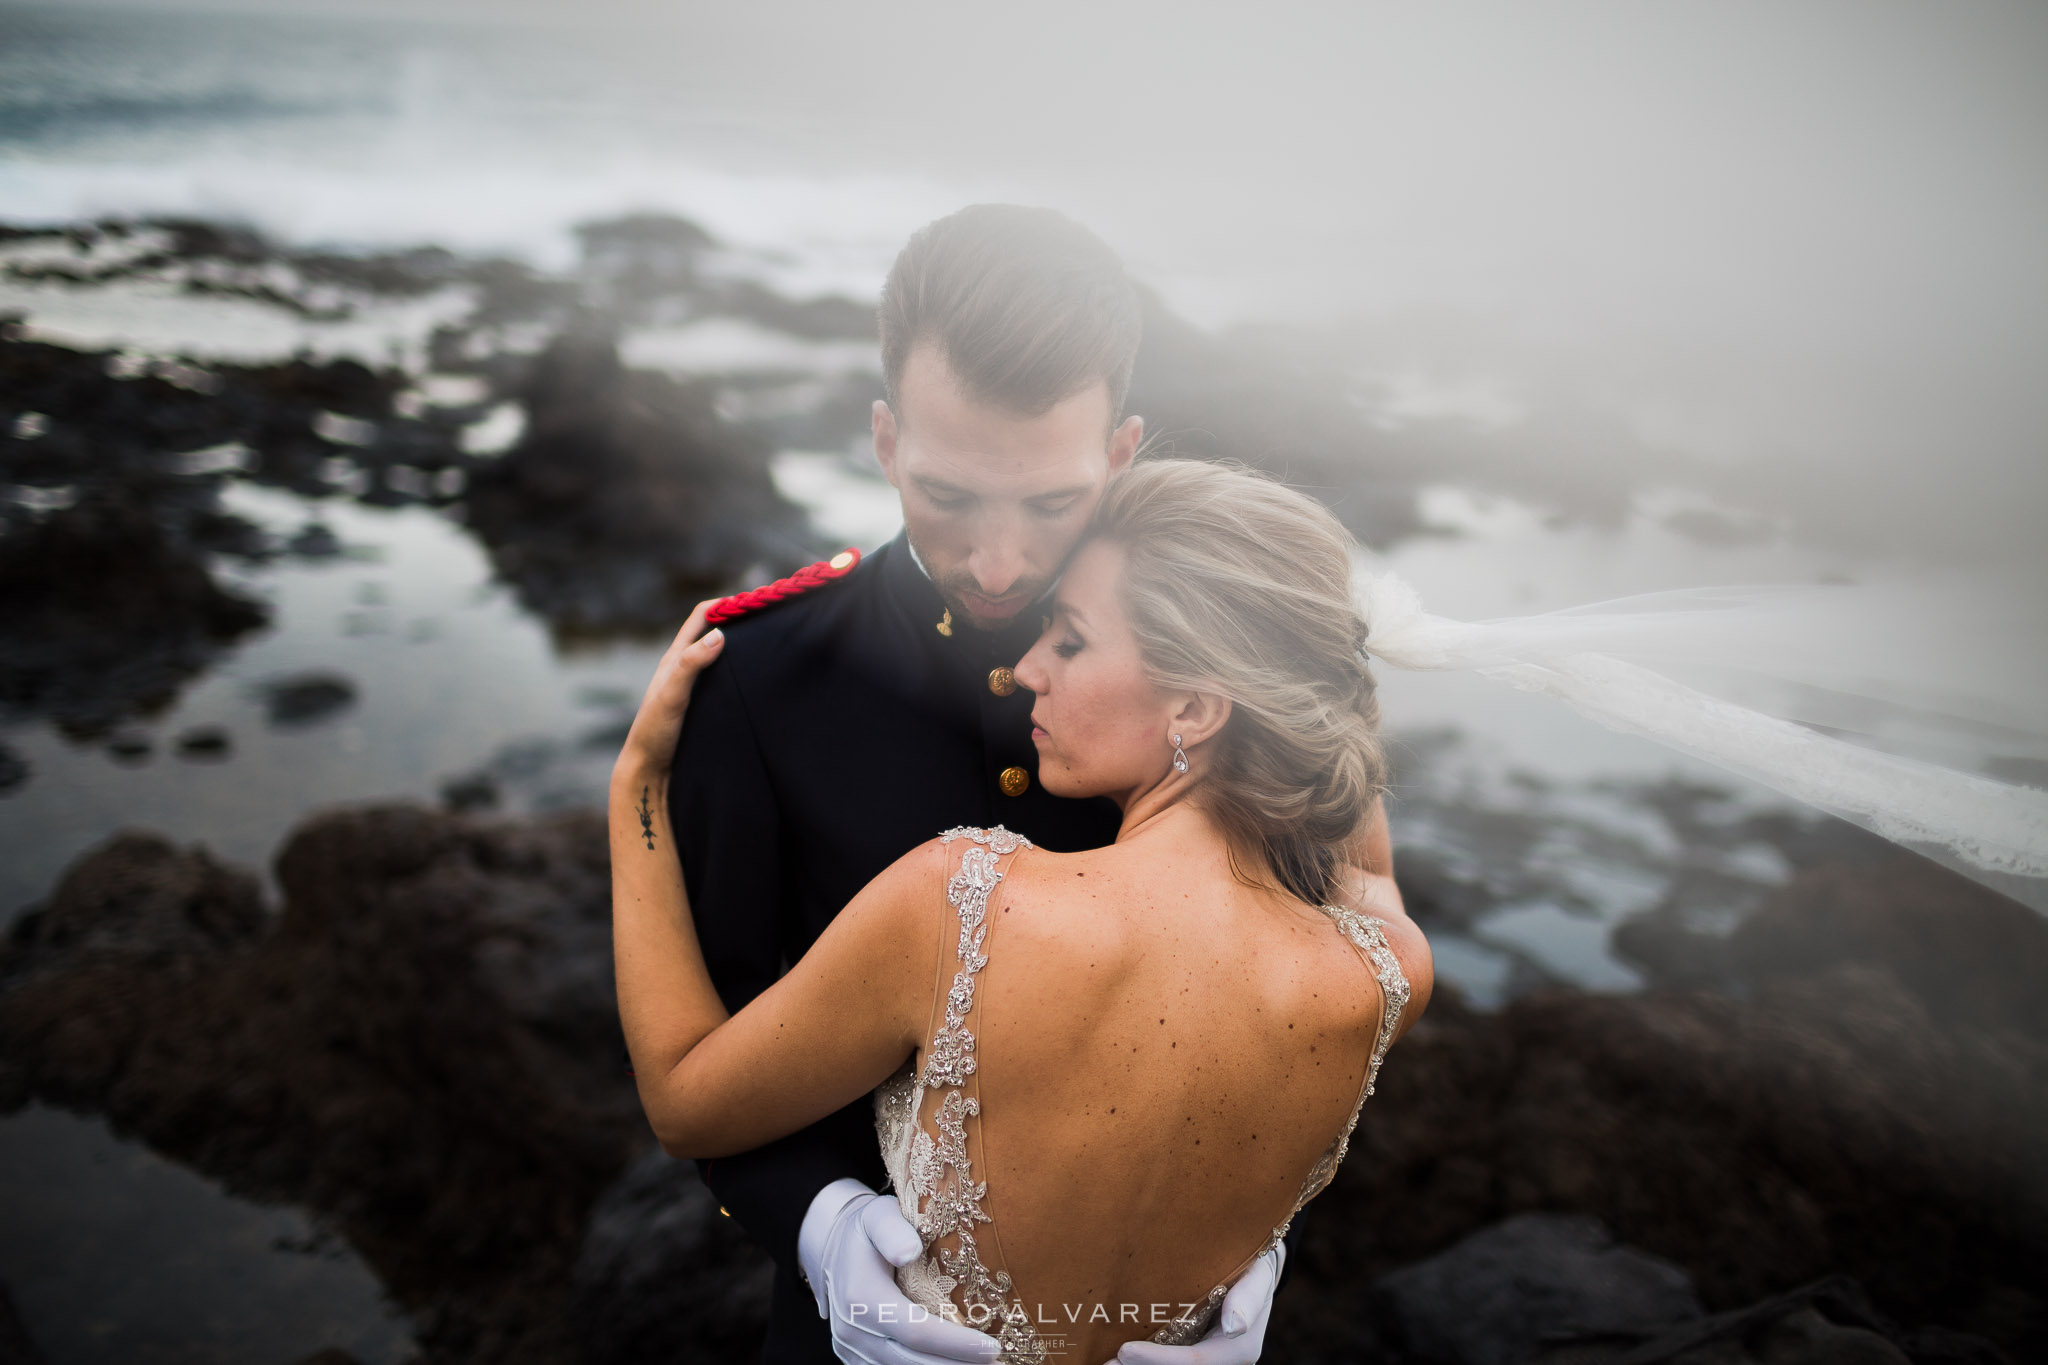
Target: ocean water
<point>1809,302</point>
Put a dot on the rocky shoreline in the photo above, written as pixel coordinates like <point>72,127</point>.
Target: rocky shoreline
<point>419,1047</point>
<point>611,492</point>
<point>1820,1133</point>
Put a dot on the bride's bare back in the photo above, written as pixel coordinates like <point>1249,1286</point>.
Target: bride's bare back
<point>1146,1065</point>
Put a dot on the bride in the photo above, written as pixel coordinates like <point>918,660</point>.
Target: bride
<point>1065,1046</point>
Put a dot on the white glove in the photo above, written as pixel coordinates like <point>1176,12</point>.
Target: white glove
<point>1240,1331</point>
<point>850,1243</point>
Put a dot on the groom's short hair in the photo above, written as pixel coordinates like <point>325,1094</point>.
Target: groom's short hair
<point>1028,307</point>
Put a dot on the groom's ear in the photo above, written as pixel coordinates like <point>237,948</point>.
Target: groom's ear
<point>1200,716</point>
<point>882,423</point>
<point>1124,443</point>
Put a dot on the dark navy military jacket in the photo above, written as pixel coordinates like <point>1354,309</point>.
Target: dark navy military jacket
<point>838,731</point>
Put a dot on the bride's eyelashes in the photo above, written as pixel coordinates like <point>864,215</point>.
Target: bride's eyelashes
<point>1068,647</point>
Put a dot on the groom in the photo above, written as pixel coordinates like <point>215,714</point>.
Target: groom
<point>852,719</point>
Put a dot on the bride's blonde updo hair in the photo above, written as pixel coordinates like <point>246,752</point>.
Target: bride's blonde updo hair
<point>1239,586</point>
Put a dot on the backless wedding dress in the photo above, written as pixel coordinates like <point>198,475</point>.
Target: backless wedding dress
<point>928,1119</point>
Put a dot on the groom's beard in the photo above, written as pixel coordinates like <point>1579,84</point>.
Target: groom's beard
<point>968,605</point>
<point>965,599</point>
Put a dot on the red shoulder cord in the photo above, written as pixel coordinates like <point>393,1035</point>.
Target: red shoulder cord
<point>797,584</point>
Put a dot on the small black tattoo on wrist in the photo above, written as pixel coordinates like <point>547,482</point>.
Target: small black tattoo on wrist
<point>646,818</point>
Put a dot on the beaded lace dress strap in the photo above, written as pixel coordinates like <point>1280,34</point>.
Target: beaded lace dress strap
<point>941,1168</point>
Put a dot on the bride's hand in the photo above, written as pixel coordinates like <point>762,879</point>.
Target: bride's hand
<point>651,742</point>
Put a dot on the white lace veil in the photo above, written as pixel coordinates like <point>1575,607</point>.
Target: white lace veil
<point>1900,776</point>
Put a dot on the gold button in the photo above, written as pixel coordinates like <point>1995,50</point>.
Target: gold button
<point>1014,781</point>
<point>1002,681</point>
<point>840,561</point>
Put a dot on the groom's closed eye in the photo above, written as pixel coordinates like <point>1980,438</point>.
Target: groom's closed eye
<point>944,496</point>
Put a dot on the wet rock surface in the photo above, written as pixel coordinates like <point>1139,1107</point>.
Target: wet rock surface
<point>1828,1322</point>
<point>1829,1114</point>
<point>107,607</point>
<point>114,538</point>
<point>662,1275</point>
<point>421,1047</point>
<point>1503,1294</point>
<point>628,499</point>
<point>631,492</point>
<point>1213,397</point>
<point>304,698</point>
<point>1278,400</point>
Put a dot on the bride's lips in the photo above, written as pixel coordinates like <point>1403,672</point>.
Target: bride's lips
<point>1037,731</point>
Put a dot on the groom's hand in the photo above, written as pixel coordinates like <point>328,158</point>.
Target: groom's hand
<point>1240,1331</point>
<point>851,1242</point>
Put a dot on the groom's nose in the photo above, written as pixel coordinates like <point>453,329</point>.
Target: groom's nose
<point>997,562</point>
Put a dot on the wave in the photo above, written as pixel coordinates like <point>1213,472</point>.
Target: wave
<point>43,120</point>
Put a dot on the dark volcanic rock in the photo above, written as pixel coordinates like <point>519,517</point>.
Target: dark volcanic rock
<point>303,698</point>
<point>110,417</point>
<point>471,792</point>
<point>1291,402</point>
<point>131,749</point>
<point>1503,1294</point>
<point>106,610</point>
<point>1828,1322</point>
<point>664,1276</point>
<point>108,596</point>
<point>205,744</point>
<point>639,259</point>
<point>628,499</point>
<point>422,1048</point>
<point>1210,397</point>
<point>314,540</point>
<point>1967,953</point>
<point>1829,1122</point>
<point>138,899</point>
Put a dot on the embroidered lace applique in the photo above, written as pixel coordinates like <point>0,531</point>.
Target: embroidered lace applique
<point>933,1175</point>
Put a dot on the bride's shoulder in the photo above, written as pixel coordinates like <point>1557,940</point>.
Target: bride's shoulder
<point>1379,923</point>
<point>995,838</point>
<point>914,886</point>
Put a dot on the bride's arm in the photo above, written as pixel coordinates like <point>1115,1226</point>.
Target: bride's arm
<point>1366,882</point>
<point>1373,850</point>
<point>1367,885</point>
<point>835,1026</point>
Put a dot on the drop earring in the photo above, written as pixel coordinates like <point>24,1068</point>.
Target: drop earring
<point>1180,758</point>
